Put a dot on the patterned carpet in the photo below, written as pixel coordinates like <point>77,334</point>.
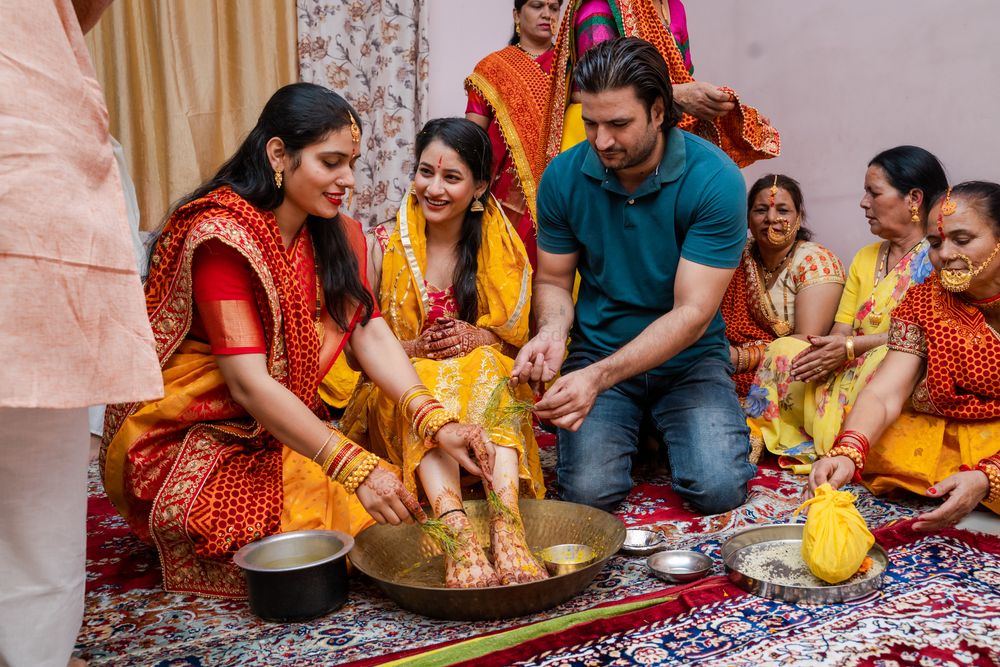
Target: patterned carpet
<point>940,591</point>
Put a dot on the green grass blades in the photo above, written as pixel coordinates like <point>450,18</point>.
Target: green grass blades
<point>496,414</point>
<point>498,506</point>
<point>443,536</point>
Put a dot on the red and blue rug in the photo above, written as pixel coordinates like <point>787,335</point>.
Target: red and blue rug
<point>940,605</point>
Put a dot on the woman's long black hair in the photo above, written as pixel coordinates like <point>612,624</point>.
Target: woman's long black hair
<point>473,146</point>
<point>300,114</point>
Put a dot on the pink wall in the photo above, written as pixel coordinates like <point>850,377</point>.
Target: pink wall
<point>841,80</point>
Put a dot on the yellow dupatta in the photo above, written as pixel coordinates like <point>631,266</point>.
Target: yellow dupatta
<point>503,280</point>
<point>463,384</point>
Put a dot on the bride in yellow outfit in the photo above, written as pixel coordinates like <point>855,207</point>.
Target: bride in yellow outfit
<point>454,285</point>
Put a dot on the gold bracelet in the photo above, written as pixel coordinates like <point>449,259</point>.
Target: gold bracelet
<point>413,392</point>
<point>990,468</point>
<point>849,345</point>
<point>325,443</point>
<point>434,422</point>
<point>368,463</point>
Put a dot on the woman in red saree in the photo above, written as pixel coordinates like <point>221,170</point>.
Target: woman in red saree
<point>929,421</point>
<point>256,285</point>
<point>508,97</point>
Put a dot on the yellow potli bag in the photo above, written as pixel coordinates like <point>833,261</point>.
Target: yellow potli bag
<point>836,539</point>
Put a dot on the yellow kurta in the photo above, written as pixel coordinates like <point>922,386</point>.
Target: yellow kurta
<point>799,421</point>
<point>463,384</point>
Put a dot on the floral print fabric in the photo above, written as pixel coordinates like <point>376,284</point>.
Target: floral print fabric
<point>375,54</point>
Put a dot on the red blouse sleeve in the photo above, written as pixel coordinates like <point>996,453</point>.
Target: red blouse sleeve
<point>224,296</point>
<point>478,105</point>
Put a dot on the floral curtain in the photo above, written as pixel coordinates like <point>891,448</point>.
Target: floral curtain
<point>374,53</point>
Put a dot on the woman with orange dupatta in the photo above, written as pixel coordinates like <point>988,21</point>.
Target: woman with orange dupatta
<point>709,111</point>
<point>256,285</point>
<point>929,421</point>
<point>508,97</point>
<point>785,285</point>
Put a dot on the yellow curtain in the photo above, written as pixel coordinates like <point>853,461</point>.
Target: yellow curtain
<point>185,81</point>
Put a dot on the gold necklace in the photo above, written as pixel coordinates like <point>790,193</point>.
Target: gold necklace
<point>533,55</point>
<point>780,325</point>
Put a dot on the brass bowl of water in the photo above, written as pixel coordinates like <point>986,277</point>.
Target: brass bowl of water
<point>566,558</point>
<point>296,576</point>
<point>409,566</point>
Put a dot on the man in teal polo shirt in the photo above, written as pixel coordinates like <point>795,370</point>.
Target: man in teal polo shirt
<point>653,219</point>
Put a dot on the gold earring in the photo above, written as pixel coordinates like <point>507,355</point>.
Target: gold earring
<point>278,178</point>
<point>517,27</point>
<point>914,214</point>
<point>413,188</point>
<point>477,206</point>
<point>350,199</point>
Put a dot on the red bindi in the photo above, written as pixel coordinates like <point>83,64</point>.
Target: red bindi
<point>439,162</point>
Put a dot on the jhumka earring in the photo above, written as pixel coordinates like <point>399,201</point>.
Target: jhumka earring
<point>350,199</point>
<point>355,130</point>
<point>517,28</point>
<point>278,178</point>
<point>477,205</point>
<point>914,214</point>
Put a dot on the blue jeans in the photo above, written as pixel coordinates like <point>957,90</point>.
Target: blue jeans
<point>697,414</point>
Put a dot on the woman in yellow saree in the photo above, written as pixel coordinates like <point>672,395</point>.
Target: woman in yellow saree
<point>454,285</point>
<point>929,422</point>
<point>803,389</point>
<point>256,284</point>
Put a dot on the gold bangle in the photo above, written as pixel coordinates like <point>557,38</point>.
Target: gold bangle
<point>434,422</point>
<point>413,392</point>
<point>325,443</point>
<point>849,345</point>
<point>368,463</point>
<point>990,468</point>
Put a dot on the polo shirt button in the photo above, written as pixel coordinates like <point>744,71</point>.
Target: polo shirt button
<point>631,201</point>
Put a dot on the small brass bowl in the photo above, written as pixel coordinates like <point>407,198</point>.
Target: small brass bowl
<point>566,558</point>
<point>679,567</point>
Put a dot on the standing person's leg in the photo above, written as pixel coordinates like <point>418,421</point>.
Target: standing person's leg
<point>595,462</point>
<point>707,436</point>
<point>43,514</point>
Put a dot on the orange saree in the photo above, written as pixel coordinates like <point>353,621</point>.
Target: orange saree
<point>515,87</point>
<point>193,473</point>
<point>953,420</point>
<point>744,134</point>
<point>744,311</point>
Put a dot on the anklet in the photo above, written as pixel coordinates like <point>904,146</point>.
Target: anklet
<point>457,509</point>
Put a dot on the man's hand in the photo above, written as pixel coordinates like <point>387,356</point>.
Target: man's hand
<point>703,100</point>
<point>569,400</point>
<point>540,359</point>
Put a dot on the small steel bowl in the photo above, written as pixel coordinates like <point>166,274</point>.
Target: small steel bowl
<point>296,576</point>
<point>566,558</point>
<point>679,567</point>
<point>643,542</point>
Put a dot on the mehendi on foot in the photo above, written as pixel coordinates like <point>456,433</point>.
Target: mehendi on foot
<point>512,558</point>
<point>470,568</point>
